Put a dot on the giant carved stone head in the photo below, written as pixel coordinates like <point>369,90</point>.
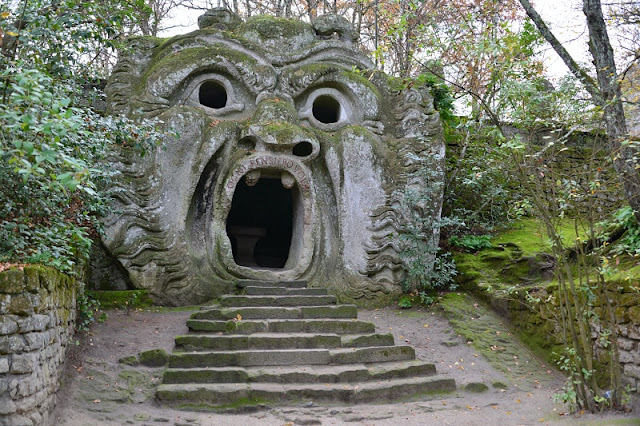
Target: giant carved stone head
<point>290,161</point>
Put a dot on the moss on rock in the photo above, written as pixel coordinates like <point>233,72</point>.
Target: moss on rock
<point>154,358</point>
<point>128,299</point>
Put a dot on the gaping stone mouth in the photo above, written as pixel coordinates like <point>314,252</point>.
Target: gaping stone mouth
<point>266,221</point>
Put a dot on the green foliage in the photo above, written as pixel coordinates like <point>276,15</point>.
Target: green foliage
<point>630,242</point>
<point>426,267</point>
<point>443,101</point>
<point>88,312</point>
<point>53,162</point>
<point>471,243</point>
<point>54,149</point>
<point>427,299</point>
<point>405,302</point>
<point>479,177</point>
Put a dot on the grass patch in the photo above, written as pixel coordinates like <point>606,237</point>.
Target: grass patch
<point>530,235</point>
<point>127,299</point>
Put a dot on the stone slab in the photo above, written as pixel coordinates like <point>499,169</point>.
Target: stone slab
<point>372,354</point>
<point>249,358</point>
<point>258,341</point>
<point>255,301</point>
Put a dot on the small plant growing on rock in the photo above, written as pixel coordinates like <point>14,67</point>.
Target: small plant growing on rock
<point>88,310</point>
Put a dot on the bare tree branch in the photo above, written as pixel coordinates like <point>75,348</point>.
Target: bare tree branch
<point>573,66</point>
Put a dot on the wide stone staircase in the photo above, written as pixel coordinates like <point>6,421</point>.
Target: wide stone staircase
<point>283,343</point>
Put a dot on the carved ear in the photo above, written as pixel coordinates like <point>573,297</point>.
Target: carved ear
<point>219,18</point>
<point>327,26</point>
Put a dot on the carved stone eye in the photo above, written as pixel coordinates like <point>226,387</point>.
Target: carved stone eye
<point>218,95</point>
<point>326,109</point>
<point>213,95</point>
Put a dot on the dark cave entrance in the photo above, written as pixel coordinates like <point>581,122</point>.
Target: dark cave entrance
<point>260,224</point>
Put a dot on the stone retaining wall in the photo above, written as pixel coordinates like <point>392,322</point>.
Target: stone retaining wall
<point>37,319</point>
<point>538,328</point>
<point>628,319</point>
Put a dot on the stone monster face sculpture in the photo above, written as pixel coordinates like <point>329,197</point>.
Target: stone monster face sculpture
<point>289,164</point>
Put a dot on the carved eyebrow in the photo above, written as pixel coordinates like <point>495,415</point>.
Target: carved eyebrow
<point>180,66</point>
<point>301,78</point>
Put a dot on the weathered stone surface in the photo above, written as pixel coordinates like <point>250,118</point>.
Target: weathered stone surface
<point>632,371</point>
<point>12,281</point>
<point>36,322</point>
<point>291,158</point>
<point>8,325</point>
<point>291,363</point>
<point>476,387</point>
<point>259,341</point>
<point>154,358</point>
<point>231,300</point>
<point>20,304</point>
<point>373,354</point>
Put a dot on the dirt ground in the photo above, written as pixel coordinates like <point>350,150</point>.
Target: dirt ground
<point>97,390</point>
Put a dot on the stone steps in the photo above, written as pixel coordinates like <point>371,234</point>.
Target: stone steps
<point>261,301</point>
<point>300,374</point>
<point>256,283</point>
<point>280,342</point>
<point>268,312</point>
<point>203,342</point>
<point>337,326</point>
<point>220,395</point>
<point>284,291</point>
<point>304,356</point>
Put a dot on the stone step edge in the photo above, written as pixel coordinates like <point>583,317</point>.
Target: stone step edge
<point>230,326</point>
<point>314,373</point>
<point>243,301</point>
<point>283,291</point>
<point>324,340</point>
<point>303,312</point>
<point>273,357</point>
<point>219,395</point>
<point>258,283</point>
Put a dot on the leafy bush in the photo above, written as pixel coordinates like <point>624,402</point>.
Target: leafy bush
<point>53,160</point>
<point>54,149</point>
<point>426,267</point>
<point>471,243</point>
<point>405,302</point>
<point>630,242</point>
<point>88,310</point>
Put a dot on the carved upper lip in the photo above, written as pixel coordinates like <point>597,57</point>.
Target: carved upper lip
<point>290,170</point>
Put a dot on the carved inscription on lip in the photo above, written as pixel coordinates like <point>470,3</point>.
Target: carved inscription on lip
<point>270,161</point>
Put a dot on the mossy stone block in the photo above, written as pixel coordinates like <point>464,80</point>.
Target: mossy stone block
<point>12,281</point>
<point>154,358</point>
<point>499,385</point>
<point>20,305</point>
<point>129,360</point>
<point>634,314</point>
<point>476,387</point>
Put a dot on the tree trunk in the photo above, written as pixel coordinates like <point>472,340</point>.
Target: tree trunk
<point>600,48</point>
<point>605,93</point>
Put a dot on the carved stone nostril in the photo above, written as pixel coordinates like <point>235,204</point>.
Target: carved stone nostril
<point>302,149</point>
<point>247,143</point>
